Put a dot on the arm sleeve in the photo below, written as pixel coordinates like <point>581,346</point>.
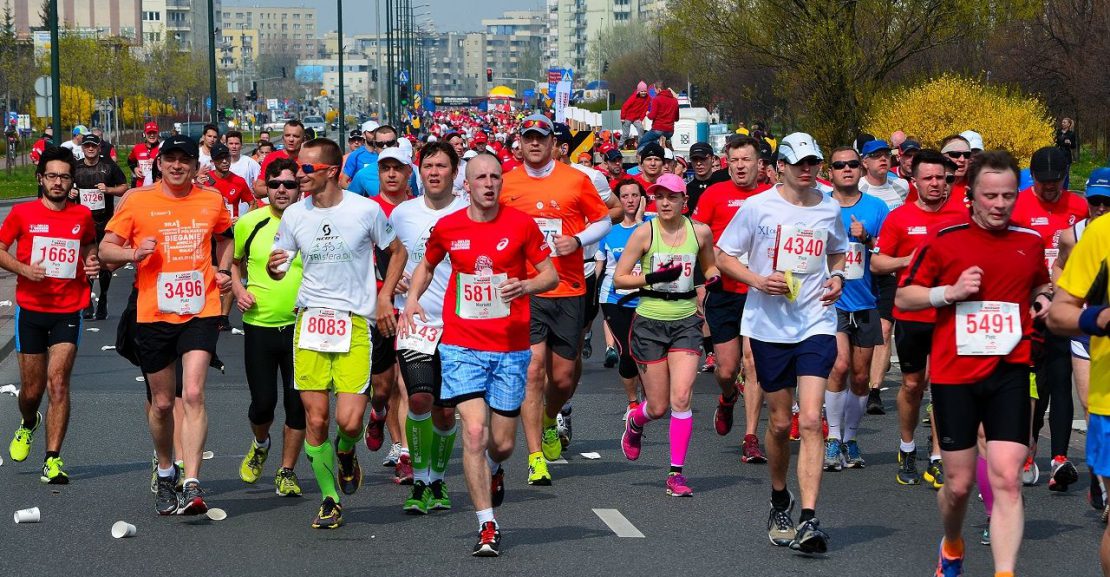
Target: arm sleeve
<point>593,208</point>
<point>285,239</point>
<point>594,232</point>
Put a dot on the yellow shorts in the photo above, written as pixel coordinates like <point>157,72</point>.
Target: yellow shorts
<point>347,372</point>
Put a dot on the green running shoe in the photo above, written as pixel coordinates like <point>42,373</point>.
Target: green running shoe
<point>52,473</point>
<point>250,470</point>
<point>21,443</point>
<point>419,502</point>
<point>286,482</point>
<point>440,499</point>
<point>537,470</point>
<point>552,447</point>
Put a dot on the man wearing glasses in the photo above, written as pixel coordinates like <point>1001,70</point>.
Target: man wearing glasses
<point>361,157</point>
<point>877,180</point>
<point>366,181</point>
<point>292,137</point>
<point>1048,208</point>
<point>335,232</point>
<point>903,231</point>
<point>97,181</point>
<point>958,150</point>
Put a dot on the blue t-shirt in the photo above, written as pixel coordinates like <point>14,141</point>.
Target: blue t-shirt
<point>859,294</point>
<point>358,160</point>
<point>610,249</point>
<point>366,180</point>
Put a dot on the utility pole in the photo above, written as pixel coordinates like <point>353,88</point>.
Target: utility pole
<point>55,75</point>
<point>389,10</point>
<point>342,104</point>
<point>378,53</point>
<point>212,62</point>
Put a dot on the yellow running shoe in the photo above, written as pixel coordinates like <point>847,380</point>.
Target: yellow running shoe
<point>21,443</point>
<point>52,473</point>
<point>537,469</point>
<point>286,482</point>
<point>552,447</point>
<point>250,470</point>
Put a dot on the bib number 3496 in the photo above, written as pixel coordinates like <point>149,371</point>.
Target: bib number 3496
<point>987,328</point>
<point>325,330</point>
<point>181,293</point>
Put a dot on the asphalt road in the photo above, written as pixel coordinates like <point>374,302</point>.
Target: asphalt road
<point>877,527</point>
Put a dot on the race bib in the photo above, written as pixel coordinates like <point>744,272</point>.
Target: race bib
<point>325,330</point>
<point>551,228</point>
<point>92,198</point>
<point>800,250</point>
<point>148,169</point>
<point>423,340</point>
<point>1050,256</point>
<point>58,256</point>
<point>685,280</point>
<point>853,261</point>
<point>181,293</point>
<point>479,298</point>
<point>987,328</point>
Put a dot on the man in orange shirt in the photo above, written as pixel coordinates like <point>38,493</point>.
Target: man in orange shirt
<point>570,214</point>
<point>168,229</point>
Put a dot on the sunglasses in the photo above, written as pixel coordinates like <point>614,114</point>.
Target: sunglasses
<point>1103,201</point>
<point>957,154</point>
<point>385,143</point>
<point>842,164</point>
<point>286,184</point>
<point>310,168</point>
<point>534,124</point>
<point>809,161</point>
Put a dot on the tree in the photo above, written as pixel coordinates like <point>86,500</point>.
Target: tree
<point>16,70</point>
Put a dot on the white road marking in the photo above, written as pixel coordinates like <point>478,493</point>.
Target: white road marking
<point>617,523</point>
<point>559,461</point>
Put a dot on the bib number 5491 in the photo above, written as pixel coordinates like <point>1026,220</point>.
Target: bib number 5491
<point>987,328</point>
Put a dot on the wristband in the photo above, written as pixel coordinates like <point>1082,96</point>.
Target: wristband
<point>579,241</point>
<point>1088,321</point>
<point>839,274</point>
<point>936,297</point>
<point>224,271</point>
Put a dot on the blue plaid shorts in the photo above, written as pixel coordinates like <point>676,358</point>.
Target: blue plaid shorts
<point>498,377</point>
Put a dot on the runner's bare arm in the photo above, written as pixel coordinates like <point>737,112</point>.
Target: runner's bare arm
<point>1063,316</point>
<point>1067,242</point>
<point>546,278</point>
<point>834,286</point>
<point>243,297</point>
<point>225,249</point>
<point>773,284</point>
<point>90,259</point>
<point>112,249</point>
<point>886,264</point>
<point>259,188</point>
<point>9,263</point>
<point>707,253</point>
<point>633,251</point>
<point>914,297</point>
<point>387,323</point>
<point>421,279</point>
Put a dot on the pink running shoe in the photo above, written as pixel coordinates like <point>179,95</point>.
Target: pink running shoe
<point>677,487</point>
<point>630,441</point>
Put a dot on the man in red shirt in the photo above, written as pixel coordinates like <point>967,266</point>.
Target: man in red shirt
<point>723,309</point>
<point>292,137</point>
<point>652,166</point>
<point>235,191</point>
<point>635,109</point>
<point>986,281</point>
<point>1048,208</point>
<point>141,159</point>
<point>40,145</point>
<point>663,115</point>
<point>903,231</point>
<point>55,256</point>
<point>485,346</point>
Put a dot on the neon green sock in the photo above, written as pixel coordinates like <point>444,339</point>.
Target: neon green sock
<point>419,429</point>
<point>443,443</point>
<point>346,444</point>
<point>322,459</point>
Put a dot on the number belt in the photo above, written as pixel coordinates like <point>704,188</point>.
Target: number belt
<point>657,295</point>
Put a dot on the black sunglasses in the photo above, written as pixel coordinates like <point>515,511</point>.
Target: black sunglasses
<point>957,154</point>
<point>841,164</point>
<point>1098,200</point>
<point>809,161</point>
<point>287,184</point>
<point>385,143</point>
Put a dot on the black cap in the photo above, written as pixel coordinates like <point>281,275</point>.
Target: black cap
<point>181,143</point>
<point>614,154</point>
<point>220,149</point>
<point>701,150</point>
<point>653,149</point>
<point>908,145</point>
<point>90,139</point>
<point>766,152</point>
<point>355,134</point>
<point>561,132</point>
<point>1049,164</point>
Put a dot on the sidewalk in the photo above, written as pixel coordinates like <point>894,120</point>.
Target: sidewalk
<point>7,297</point>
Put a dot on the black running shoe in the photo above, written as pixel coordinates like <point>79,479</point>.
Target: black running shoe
<point>192,500</point>
<point>907,468</point>
<point>167,500</point>
<point>489,541</point>
<point>587,346</point>
<point>350,473</point>
<point>874,403</point>
<point>1096,494</point>
<point>330,515</point>
<point>810,539</point>
<point>611,358</point>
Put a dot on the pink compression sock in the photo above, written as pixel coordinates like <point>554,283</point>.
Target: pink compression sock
<point>682,427</point>
<point>639,416</point>
<point>983,480</point>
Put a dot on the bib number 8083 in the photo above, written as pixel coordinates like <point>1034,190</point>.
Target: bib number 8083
<point>325,326</point>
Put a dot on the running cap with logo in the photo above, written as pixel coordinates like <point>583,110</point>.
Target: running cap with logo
<point>872,146</point>
<point>180,143</point>
<point>90,139</point>
<point>701,150</point>
<point>798,146</point>
<point>150,127</point>
<point>1098,184</point>
<point>671,182</point>
<point>466,155</point>
<point>355,134</point>
<point>219,150</point>
<point>80,129</point>
<point>1049,164</point>
<point>562,133</point>
<point>536,123</point>
<point>369,126</point>
<point>653,149</point>
<point>668,154</point>
<point>395,153</point>
<point>973,139</point>
<point>908,145</point>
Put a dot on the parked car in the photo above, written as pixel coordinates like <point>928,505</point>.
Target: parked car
<point>315,123</point>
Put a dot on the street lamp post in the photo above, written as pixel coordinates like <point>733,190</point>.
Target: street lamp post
<point>342,105</point>
<point>212,61</point>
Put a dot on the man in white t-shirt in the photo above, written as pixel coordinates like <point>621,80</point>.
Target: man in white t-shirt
<point>74,144</point>
<point>335,231</point>
<point>795,242</point>
<point>245,167</point>
<point>877,180</point>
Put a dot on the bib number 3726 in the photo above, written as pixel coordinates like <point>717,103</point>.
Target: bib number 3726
<point>181,293</point>
<point>800,250</point>
<point>987,328</point>
<point>325,330</point>
<point>92,198</point>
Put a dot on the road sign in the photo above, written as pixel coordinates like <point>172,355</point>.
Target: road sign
<point>43,86</point>
<point>208,102</point>
<point>403,77</point>
<point>43,106</point>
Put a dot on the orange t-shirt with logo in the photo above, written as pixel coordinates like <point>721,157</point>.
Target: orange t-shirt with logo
<point>177,282</point>
<point>563,202</point>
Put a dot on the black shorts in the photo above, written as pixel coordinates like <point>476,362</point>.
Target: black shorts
<point>36,332</point>
<point>1000,402</point>
<point>591,302</point>
<point>778,365</point>
<point>619,319</point>
<point>651,340</point>
<point>421,372</point>
<point>160,344</point>
<point>862,327</point>
<point>557,321</point>
<point>722,313</point>
<point>913,340</point>
<point>884,286</point>
<point>383,351</point>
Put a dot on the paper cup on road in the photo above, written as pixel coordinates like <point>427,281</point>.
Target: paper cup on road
<point>284,267</point>
<point>217,514</point>
<point>123,529</point>
<point>207,455</point>
<point>27,515</point>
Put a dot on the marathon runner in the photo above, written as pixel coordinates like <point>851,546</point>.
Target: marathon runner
<point>292,137</point>
<point>795,243</point>
<point>268,308</point>
<point>335,232</point>
<point>665,339</point>
<point>858,329</point>
<point>429,426</point>
<point>877,179</point>
<point>568,210</point>
<point>96,184</point>
<point>484,354</point>
<point>987,281</point>
<point>243,166</point>
<point>170,228</point>
<point>1048,208</point>
<point>365,181</point>
<point>725,307</point>
<point>55,255</point>
<point>903,231</point>
<point>235,192</point>
<point>361,157</point>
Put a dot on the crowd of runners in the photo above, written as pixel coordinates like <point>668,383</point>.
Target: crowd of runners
<point>452,283</point>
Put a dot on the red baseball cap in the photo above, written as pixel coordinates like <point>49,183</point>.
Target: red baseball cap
<point>481,138</point>
<point>150,127</point>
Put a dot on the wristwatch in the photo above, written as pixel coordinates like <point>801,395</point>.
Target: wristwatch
<point>839,273</point>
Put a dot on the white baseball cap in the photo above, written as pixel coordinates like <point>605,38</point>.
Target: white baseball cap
<point>973,139</point>
<point>469,154</point>
<point>395,153</point>
<point>369,126</point>
<point>797,146</point>
<point>668,154</point>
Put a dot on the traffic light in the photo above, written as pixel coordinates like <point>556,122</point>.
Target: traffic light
<point>283,72</point>
<point>374,75</point>
<point>605,67</point>
<point>403,94</point>
<point>489,75</point>
<point>695,93</point>
<point>254,92</point>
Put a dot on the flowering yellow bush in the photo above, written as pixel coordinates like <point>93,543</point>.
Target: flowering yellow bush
<point>138,109</point>
<point>952,104</point>
<point>77,107</point>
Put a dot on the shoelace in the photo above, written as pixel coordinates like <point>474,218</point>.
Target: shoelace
<point>782,521</point>
<point>678,480</point>
<point>489,532</point>
<point>328,509</point>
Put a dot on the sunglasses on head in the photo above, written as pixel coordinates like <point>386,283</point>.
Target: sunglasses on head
<point>310,168</point>
<point>842,164</point>
<point>809,161</point>
<point>286,184</point>
<point>534,124</point>
<point>957,154</point>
